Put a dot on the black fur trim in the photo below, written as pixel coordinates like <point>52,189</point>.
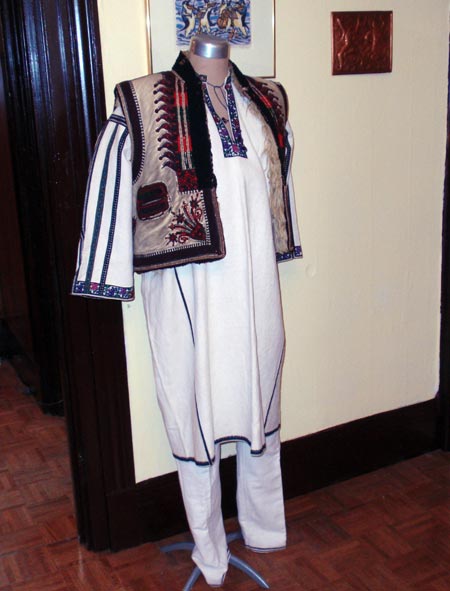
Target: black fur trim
<point>198,125</point>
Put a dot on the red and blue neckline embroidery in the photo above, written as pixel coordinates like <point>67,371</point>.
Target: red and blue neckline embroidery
<point>232,145</point>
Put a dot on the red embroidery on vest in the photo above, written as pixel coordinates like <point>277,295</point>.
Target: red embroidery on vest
<point>187,224</point>
<point>175,145</point>
<point>272,102</point>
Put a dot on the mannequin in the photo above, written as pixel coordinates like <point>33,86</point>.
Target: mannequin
<point>196,196</point>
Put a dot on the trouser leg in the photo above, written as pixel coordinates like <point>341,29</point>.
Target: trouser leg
<point>260,497</point>
<point>200,487</point>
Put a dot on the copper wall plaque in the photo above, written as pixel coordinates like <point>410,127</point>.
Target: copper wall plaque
<point>362,42</point>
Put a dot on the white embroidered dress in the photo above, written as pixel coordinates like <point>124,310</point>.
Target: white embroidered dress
<point>216,329</point>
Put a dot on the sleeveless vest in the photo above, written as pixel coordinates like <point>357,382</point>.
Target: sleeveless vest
<point>176,217</point>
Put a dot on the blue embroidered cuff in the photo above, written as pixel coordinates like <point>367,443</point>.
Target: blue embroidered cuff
<point>98,290</point>
<point>288,256</point>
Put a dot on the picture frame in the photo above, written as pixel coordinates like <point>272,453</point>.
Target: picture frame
<point>255,59</point>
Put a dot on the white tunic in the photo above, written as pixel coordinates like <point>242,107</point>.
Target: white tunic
<point>215,329</point>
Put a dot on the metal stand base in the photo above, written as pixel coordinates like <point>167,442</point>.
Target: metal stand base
<point>234,561</point>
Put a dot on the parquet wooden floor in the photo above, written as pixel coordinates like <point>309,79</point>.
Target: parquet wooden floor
<point>388,530</point>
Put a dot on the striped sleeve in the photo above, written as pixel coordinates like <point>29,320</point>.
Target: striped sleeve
<point>105,251</point>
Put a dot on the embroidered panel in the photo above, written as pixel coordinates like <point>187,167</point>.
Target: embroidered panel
<point>233,145</point>
<point>271,101</point>
<point>102,290</point>
<point>175,144</point>
<point>187,223</point>
<point>185,237</point>
<point>198,127</point>
<point>288,256</point>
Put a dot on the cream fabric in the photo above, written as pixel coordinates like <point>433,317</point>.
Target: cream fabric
<point>216,329</point>
<point>259,500</point>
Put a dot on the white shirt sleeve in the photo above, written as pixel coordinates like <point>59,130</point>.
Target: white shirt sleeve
<point>105,251</point>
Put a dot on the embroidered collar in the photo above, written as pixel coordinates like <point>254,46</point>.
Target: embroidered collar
<point>248,86</point>
<point>232,145</point>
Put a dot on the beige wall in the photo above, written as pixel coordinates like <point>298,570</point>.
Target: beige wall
<point>362,308</point>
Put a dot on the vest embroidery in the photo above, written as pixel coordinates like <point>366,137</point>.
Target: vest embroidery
<point>187,223</point>
<point>175,145</point>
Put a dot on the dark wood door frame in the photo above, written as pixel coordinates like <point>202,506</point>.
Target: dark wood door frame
<point>56,109</point>
<point>444,367</point>
<point>15,327</point>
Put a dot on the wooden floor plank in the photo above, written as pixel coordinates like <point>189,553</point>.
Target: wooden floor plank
<point>388,530</point>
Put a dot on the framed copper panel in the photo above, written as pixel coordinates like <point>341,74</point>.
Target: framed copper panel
<point>362,42</point>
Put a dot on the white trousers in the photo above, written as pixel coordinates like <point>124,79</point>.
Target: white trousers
<point>259,501</point>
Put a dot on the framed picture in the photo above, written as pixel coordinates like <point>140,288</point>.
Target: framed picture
<point>248,25</point>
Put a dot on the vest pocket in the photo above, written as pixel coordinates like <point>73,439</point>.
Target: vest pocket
<point>152,200</point>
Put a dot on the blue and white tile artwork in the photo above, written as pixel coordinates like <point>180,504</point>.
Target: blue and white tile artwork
<point>227,19</point>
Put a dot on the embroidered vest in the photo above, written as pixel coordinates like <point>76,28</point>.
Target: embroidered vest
<point>176,213</point>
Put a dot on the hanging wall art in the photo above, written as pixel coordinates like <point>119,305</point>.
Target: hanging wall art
<point>362,42</point>
<point>248,25</point>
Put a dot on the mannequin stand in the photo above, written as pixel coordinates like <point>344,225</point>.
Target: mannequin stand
<point>234,561</point>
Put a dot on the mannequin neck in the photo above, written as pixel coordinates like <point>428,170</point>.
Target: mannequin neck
<point>209,56</point>
<point>215,69</point>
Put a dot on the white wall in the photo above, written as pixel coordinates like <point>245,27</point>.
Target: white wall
<point>362,308</point>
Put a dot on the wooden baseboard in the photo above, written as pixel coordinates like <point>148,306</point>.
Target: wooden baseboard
<point>153,509</point>
<point>358,447</point>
